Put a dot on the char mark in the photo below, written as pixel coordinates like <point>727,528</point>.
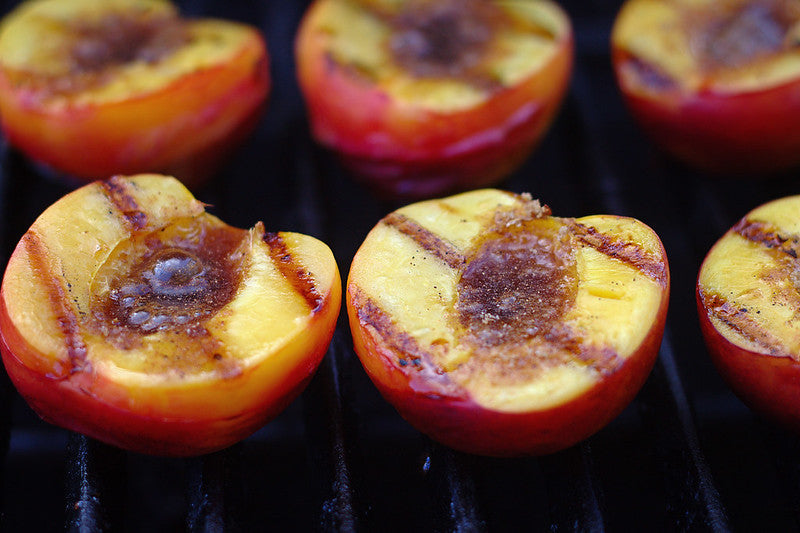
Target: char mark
<point>427,240</point>
<point>116,190</point>
<point>300,279</point>
<point>602,359</point>
<point>629,253</point>
<point>741,321</point>
<point>768,236</point>
<point>412,359</point>
<point>59,302</point>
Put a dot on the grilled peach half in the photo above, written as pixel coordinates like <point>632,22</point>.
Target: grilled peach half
<point>131,315</point>
<point>425,97</point>
<point>94,88</point>
<point>498,329</point>
<point>714,83</point>
<point>748,297</point>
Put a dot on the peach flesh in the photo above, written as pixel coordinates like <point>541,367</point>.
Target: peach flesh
<point>131,315</point>
<point>461,351</point>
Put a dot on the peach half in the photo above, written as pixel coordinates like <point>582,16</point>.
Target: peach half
<point>131,315</point>
<point>425,97</point>
<point>94,88</point>
<point>714,83</point>
<point>748,299</point>
<point>498,329</point>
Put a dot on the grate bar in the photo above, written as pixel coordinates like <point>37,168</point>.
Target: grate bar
<point>214,492</point>
<point>325,399</point>
<point>716,515</point>
<point>575,498</point>
<point>327,429</point>
<point>463,506</point>
<point>95,481</point>
<point>705,504</point>
<point>593,161</point>
<point>695,500</point>
<point>450,485</point>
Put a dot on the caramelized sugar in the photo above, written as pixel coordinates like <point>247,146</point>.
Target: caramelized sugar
<point>444,38</point>
<point>99,47</point>
<point>119,38</point>
<point>743,34</point>
<point>171,280</point>
<point>518,284</point>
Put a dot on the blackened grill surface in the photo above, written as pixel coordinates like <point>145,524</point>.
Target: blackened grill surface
<point>685,456</point>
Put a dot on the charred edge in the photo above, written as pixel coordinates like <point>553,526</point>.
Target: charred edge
<point>739,320</point>
<point>67,321</point>
<point>602,359</point>
<point>629,253</point>
<point>429,241</point>
<point>768,236</point>
<point>116,191</point>
<point>300,279</point>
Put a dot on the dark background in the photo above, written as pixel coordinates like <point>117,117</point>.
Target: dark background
<point>685,456</point>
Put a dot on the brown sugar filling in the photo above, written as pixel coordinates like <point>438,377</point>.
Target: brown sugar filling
<point>117,39</point>
<point>518,285</point>
<point>172,280</point>
<point>443,39</point>
<point>101,46</point>
<point>743,34</point>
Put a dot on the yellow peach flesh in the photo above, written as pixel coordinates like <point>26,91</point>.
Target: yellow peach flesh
<point>669,36</point>
<point>36,42</point>
<point>265,315</point>
<point>357,35</point>
<point>750,284</point>
<point>613,304</point>
<point>77,251</point>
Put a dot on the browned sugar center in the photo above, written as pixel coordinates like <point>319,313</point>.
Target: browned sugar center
<point>442,38</point>
<point>517,286</point>
<point>173,284</point>
<point>743,35</point>
<point>118,39</point>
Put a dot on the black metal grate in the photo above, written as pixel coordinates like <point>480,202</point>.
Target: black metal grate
<point>685,456</point>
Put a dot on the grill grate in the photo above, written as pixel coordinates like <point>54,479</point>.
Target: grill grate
<point>686,455</point>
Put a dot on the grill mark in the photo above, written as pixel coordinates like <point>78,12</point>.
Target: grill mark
<point>557,346</point>
<point>427,240</point>
<point>299,278</point>
<point>414,360</point>
<point>57,295</point>
<point>628,253</point>
<point>564,346</point>
<point>767,236</point>
<point>741,322</point>
<point>647,74</point>
<point>600,358</point>
<point>116,190</point>
<point>563,342</point>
